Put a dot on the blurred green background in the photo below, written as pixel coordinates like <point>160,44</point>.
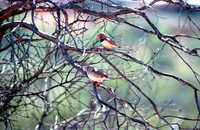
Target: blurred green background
<point>162,90</point>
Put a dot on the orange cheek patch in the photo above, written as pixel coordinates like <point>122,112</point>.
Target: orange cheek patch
<point>101,36</point>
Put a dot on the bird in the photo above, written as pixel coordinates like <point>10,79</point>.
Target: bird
<point>96,75</point>
<point>106,41</point>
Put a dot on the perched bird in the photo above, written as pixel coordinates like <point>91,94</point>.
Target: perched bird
<point>95,75</point>
<point>106,41</point>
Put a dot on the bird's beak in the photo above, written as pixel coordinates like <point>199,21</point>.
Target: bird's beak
<point>86,69</point>
<point>97,35</point>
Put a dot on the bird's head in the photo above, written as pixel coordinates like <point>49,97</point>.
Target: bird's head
<point>101,35</point>
<point>89,68</point>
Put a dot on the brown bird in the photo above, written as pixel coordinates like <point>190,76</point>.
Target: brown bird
<point>95,75</point>
<point>106,41</point>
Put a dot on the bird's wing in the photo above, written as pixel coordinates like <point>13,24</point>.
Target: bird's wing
<point>100,73</point>
<point>111,41</point>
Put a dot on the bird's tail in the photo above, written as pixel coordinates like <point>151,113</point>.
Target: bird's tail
<point>108,78</point>
<point>115,45</point>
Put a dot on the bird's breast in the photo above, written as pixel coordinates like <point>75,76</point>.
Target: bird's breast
<point>94,77</point>
<point>107,44</point>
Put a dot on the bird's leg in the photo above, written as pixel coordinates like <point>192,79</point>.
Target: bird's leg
<point>110,49</point>
<point>93,82</point>
<point>103,48</point>
<point>97,84</point>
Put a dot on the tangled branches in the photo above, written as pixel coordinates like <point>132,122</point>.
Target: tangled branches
<point>44,84</point>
